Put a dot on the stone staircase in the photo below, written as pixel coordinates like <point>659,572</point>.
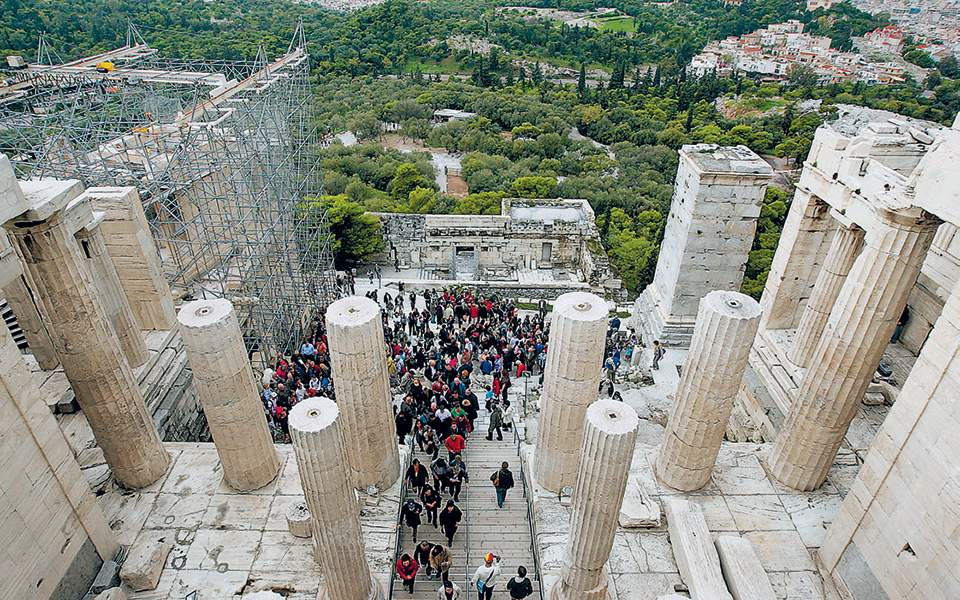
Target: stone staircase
<point>485,528</point>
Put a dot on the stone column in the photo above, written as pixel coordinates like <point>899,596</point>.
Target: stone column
<point>114,300</point>
<point>726,325</point>
<point>318,444</point>
<point>134,253</point>
<point>607,447</point>
<point>359,365</point>
<point>228,393</point>
<point>571,381</point>
<point>23,304</point>
<point>857,332</point>
<point>84,339</point>
<point>846,245</point>
<point>16,289</point>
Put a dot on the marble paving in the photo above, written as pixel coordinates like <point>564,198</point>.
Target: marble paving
<point>227,543</point>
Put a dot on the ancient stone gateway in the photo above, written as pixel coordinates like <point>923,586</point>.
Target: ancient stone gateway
<point>85,340</point>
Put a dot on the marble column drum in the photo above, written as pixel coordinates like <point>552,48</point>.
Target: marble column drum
<point>228,393</point>
<point>844,248</point>
<point>85,341</point>
<point>859,329</point>
<point>726,325</point>
<point>316,429</point>
<point>359,367</point>
<point>609,438</point>
<point>571,380</point>
<point>115,302</point>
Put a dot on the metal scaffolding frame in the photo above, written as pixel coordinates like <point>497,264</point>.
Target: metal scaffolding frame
<point>223,155</point>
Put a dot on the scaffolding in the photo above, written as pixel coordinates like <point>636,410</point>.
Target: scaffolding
<point>223,155</point>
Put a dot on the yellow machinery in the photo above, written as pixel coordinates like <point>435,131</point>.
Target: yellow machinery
<point>105,66</point>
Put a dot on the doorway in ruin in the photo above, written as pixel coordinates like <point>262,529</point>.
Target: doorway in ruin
<point>465,260</point>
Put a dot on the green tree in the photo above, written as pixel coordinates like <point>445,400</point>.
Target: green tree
<point>422,200</point>
<point>534,186</point>
<point>355,234</point>
<point>406,179</point>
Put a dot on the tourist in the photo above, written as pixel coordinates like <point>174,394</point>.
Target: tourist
<point>658,353</point>
<point>440,470</point>
<point>416,476</point>
<point>441,562</point>
<point>421,554</point>
<point>407,570</point>
<point>485,578</point>
<point>450,518</point>
<point>449,591</point>
<point>410,514</point>
<point>496,421</point>
<point>454,444</point>
<point>507,417</point>
<point>456,477</point>
<point>431,504</point>
<point>502,482</point>
<point>520,586</point>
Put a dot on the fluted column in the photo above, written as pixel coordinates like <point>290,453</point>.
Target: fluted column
<point>571,380</point>
<point>850,348</point>
<point>318,444</point>
<point>228,393</point>
<point>24,306</point>
<point>359,365</point>
<point>726,325</point>
<point>112,296</point>
<point>84,339</point>
<point>846,245</point>
<point>609,438</point>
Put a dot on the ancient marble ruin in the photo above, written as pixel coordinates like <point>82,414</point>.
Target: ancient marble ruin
<point>578,328</point>
<point>848,492</point>
<point>709,232</point>
<point>535,248</point>
<point>363,389</point>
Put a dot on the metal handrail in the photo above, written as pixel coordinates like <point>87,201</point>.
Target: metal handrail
<point>530,516</point>
<point>396,546</point>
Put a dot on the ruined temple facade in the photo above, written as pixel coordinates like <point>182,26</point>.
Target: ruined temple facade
<point>540,248</point>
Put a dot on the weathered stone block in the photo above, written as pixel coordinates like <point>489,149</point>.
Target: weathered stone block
<point>694,551</point>
<point>141,571</point>
<point>639,510</point>
<point>742,569</point>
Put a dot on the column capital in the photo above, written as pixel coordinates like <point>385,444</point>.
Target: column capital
<point>911,220</point>
<point>44,198</point>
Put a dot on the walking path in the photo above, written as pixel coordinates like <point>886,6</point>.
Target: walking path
<point>485,528</point>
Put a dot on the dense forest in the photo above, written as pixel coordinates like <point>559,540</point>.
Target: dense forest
<point>613,144</point>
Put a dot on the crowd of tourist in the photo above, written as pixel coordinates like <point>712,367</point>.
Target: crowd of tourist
<point>450,355</point>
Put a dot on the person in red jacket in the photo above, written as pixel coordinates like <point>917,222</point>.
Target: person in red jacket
<point>407,570</point>
<point>455,445</point>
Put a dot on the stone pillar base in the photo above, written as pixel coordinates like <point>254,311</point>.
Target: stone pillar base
<point>604,591</point>
<point>376,591</point>
<point>652,323</point>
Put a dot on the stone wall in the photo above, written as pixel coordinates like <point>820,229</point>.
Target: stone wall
<point>51,528</point>
<point>501,244</point>
<point>896,533</point>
